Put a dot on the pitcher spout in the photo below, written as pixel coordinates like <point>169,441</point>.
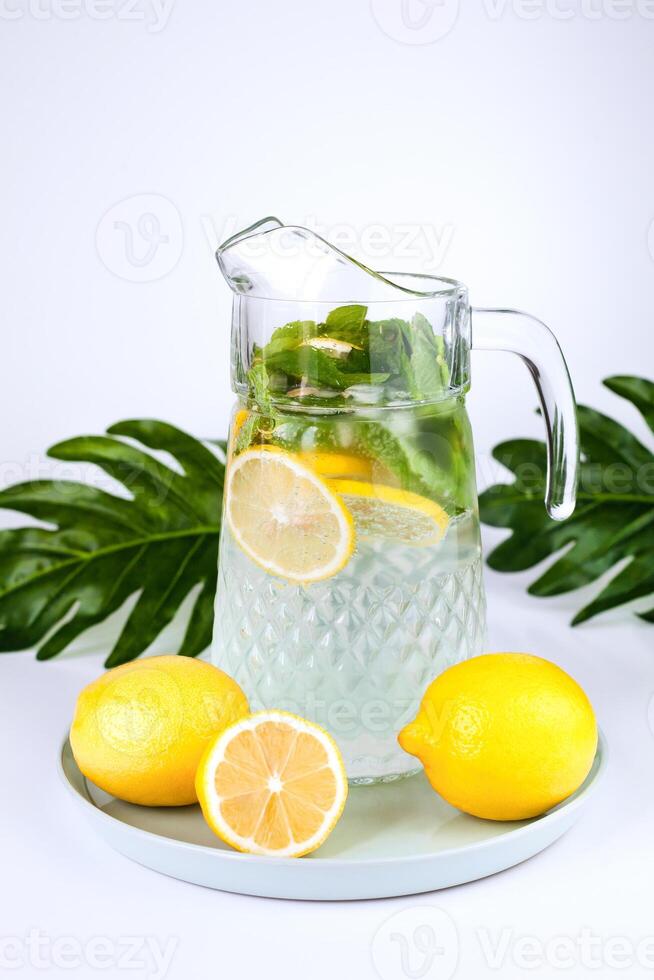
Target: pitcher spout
<point>271,260</point>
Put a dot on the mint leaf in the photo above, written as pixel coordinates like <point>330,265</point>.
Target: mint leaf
<point>428,450</point>
<point>386,346</point>
<point>260,384</point>
<point>346,323</point>
<point>288,337</point>
<point>407,359</point>
<point>425,370</point>
<point>307,366</point>
<point>427,358</point>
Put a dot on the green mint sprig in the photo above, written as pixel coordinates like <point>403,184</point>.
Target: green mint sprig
<point>407,360</point>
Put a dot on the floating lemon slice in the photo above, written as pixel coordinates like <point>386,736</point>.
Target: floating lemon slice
<point>347,466</point>
<point>272,784</point>
<point>331,346</point>
<point>240,418</point>
<point>342,465</point>
<point>285,517</point>
<point>389,512</point>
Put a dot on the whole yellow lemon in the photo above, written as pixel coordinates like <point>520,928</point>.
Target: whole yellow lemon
<point>139,731</point>
<point>504,736</point>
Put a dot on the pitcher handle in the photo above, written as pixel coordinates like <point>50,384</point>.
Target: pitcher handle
<point>534,342</point>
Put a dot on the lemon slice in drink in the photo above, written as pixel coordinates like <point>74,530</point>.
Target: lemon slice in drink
<point>285,517</point>
<point>240,418</point>
<point>331,346</point>
<point>338,465</point>
<point>389,512</point>
<point>346,466</point>
<point>272,784</point>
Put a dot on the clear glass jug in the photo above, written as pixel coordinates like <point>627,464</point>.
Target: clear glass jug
<point>350,567</point>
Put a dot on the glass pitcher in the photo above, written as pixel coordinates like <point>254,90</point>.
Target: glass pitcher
<point>350,569</point>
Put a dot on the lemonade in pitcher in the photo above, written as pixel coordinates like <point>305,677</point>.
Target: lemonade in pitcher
<point>350,564</point>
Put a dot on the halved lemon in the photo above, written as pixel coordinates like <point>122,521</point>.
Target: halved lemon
<point>389,512</point>
<point>285,517</point>
<point>272,784</point>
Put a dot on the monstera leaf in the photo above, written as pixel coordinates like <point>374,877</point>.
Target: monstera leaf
<point>98,548</point>
<point>158,540</point>
<point>613,524</point>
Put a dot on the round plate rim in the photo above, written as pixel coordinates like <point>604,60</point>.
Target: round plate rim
<point>567,806</point>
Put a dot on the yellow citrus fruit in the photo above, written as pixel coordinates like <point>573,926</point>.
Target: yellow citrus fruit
<point>504,736</point>
<point>139,730</point>
<point>240,418</point>
<point>389,512</point>
<point>285,517</point>
<point>331,346</point>
<point>272,783</point>
<point>347,466</point>
<point>337,464</point>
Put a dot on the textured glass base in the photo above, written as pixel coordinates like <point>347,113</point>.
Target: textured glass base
<point>355,652</point>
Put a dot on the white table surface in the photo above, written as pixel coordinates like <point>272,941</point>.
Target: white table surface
<point>71,907</point>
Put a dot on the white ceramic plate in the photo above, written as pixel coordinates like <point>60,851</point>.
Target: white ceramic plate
<point>393,839</point>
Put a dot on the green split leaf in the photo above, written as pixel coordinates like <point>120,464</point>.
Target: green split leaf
<point>613,524</point>
<point>100,549</point>
<point>158,542</point>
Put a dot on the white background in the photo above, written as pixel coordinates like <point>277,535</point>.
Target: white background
<point>520,139</point>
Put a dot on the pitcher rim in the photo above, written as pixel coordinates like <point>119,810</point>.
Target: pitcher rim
<point>271,224</point>
<point>454,287</point>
